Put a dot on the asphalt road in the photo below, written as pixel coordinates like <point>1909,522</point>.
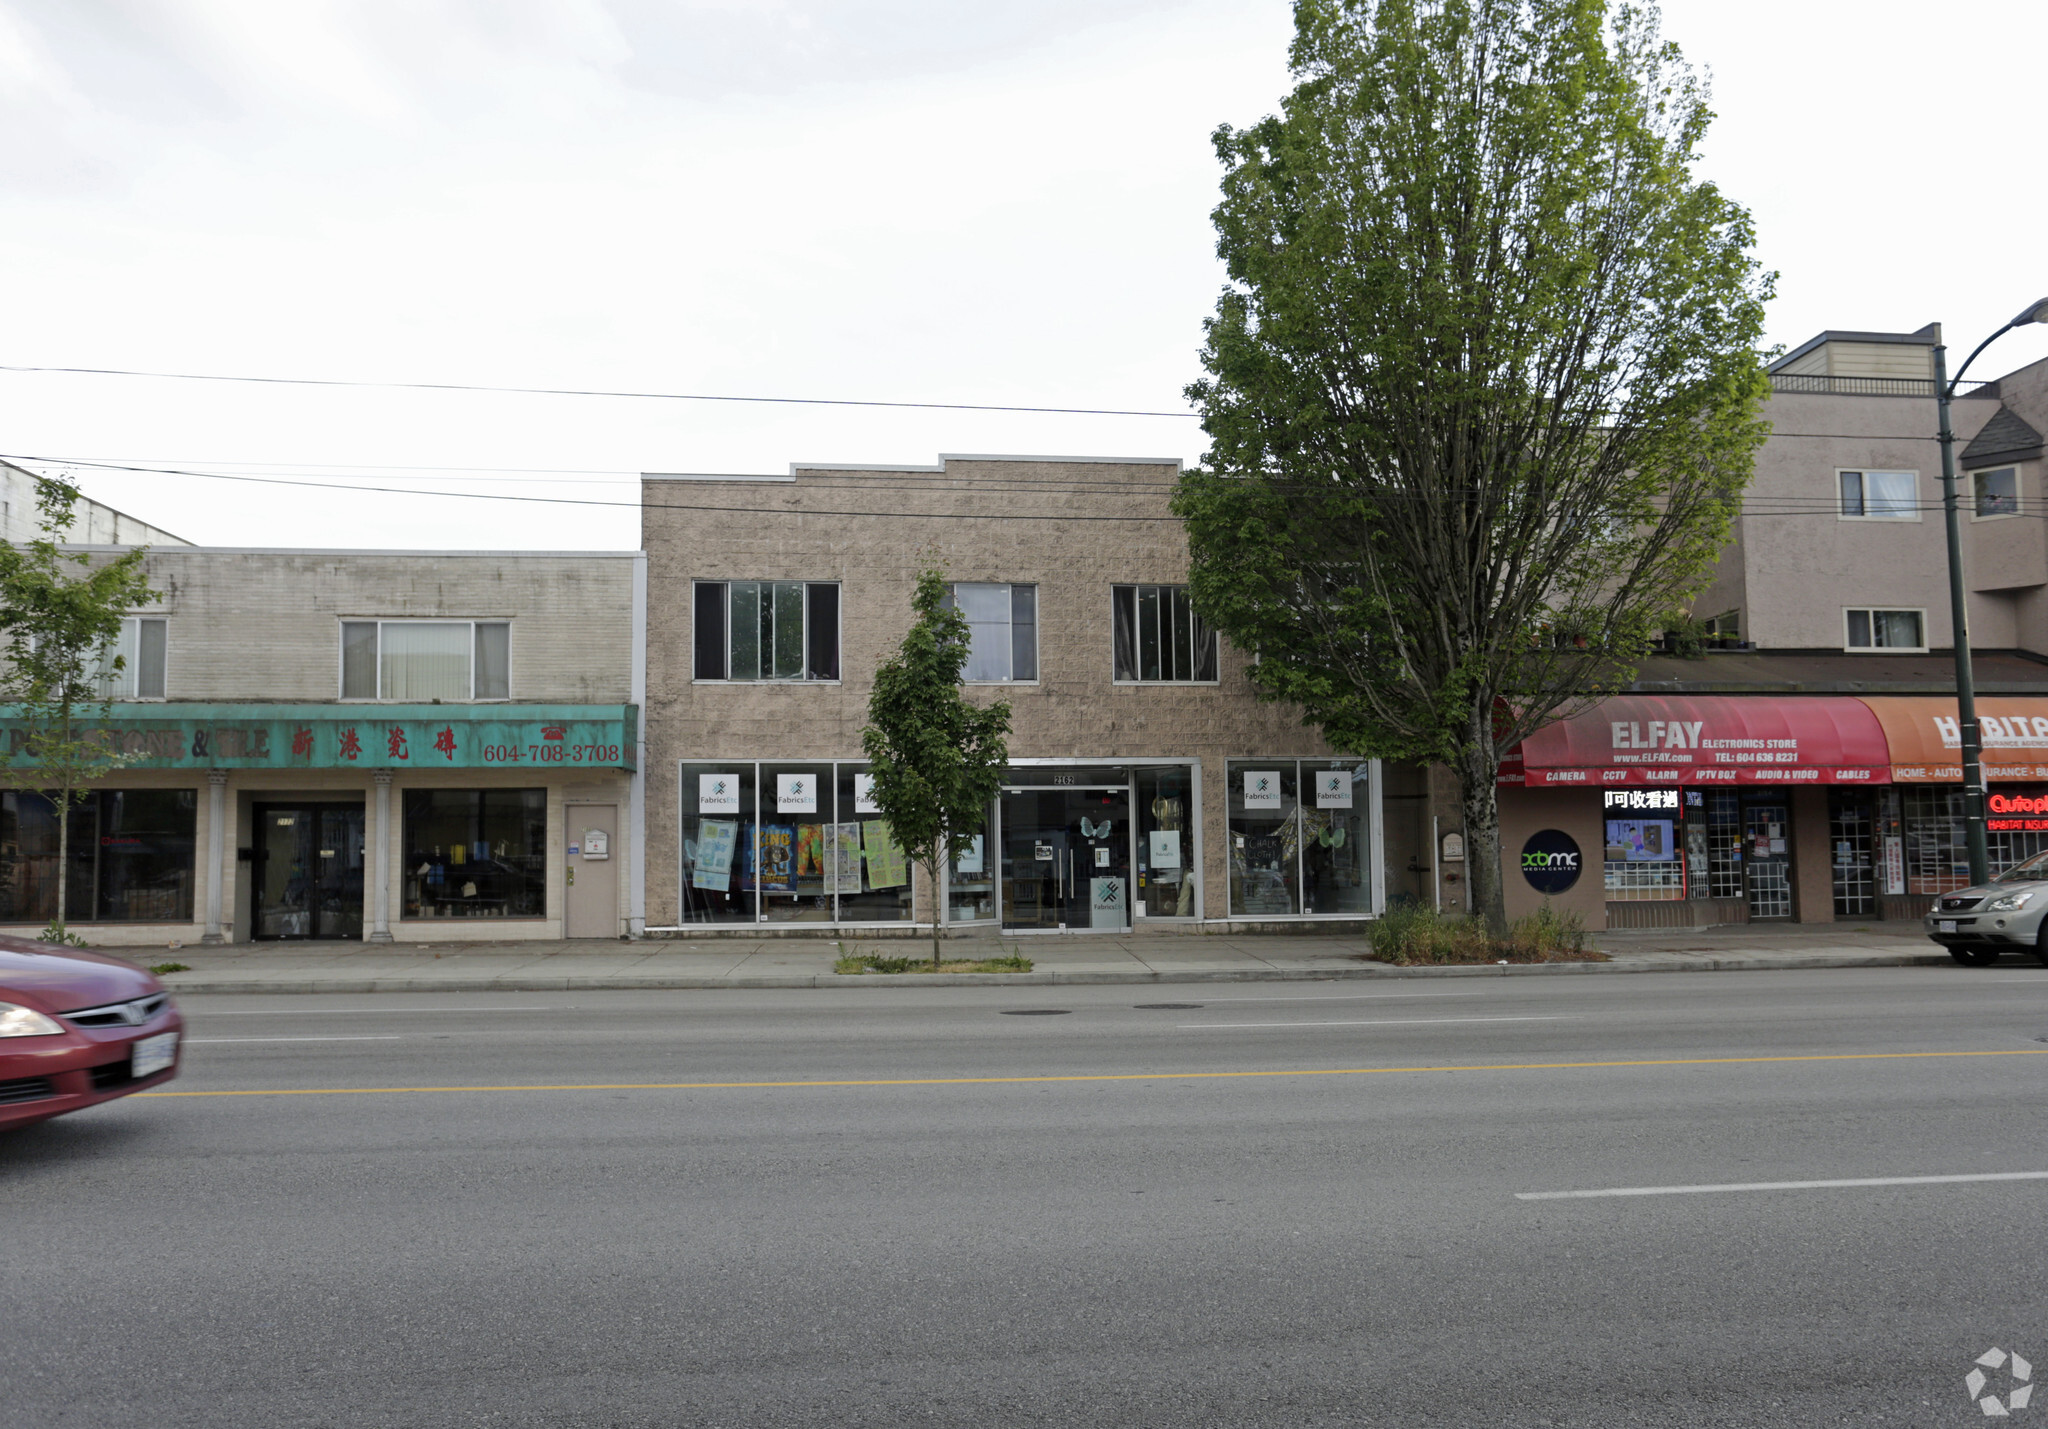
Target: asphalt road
<point>1271,1209</point>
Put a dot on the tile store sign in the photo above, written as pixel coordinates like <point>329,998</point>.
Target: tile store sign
<point>526,737</point>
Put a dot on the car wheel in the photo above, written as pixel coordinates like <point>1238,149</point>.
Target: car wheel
<point>2041,945</point>
<point>1974,957</point>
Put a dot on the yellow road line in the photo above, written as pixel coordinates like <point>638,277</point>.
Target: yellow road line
<point>1098,1076</point>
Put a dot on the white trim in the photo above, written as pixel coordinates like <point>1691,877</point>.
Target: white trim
<point>1009,625</point>
<point>1865,471</point>
<point>1919,610</point>
<point>2018,501</point>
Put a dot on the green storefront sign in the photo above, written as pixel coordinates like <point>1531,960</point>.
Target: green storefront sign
<point>205,736</point>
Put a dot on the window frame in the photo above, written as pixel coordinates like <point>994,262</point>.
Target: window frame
<point>1870,612</point>
<point>725,583</point>
<point>1137,636</point>
<point>1010,589</point>
<point>130,675</point>
<point>1977,499</point>
<point>1863,495</point>
<point>377,658</point>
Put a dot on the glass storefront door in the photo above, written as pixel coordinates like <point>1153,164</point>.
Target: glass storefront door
<point>1767,830</point>
<point>1066,858</point>
<point>308,871</point>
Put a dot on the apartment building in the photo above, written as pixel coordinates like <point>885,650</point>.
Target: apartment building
<point>380,745</point>
<point>1147,787</point>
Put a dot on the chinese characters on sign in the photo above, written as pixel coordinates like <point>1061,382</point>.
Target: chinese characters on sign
<point>1642,798</point>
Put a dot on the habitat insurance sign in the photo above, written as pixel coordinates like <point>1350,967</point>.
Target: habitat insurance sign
<point>227,736</point>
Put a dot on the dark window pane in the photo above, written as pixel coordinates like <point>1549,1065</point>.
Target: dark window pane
<point>710,630</point>
<point>1859,629</point>
<point>1023,632</point>
<point>359,660</point>
<point>821,659</point>
<point>493,660</point>
<point>1183,637</point>
<point>146,855</point>
<point>149,660</point>
<point>789,631</point>
<point>1124,630</point>
<point>1148,632</point>
<point>476,853</point>
<point>746,630</point>
<point>1205,648</point>
<point>1852,493</point>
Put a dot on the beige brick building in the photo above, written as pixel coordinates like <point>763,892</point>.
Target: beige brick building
<point>409,745</point>
<point>1148,786</point>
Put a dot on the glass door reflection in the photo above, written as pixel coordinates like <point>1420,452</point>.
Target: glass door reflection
<point>1066,858</point>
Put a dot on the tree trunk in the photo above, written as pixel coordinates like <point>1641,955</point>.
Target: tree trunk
<point>931,873</point>
<point>63,855</point>
<point>1476,774</point>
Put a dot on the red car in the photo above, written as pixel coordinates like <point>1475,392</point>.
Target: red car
<point>78,1028</point>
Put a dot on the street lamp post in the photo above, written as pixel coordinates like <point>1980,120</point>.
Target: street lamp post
<point>1958,599</point>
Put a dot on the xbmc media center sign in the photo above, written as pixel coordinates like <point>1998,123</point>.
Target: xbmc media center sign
<point>1550,861</point>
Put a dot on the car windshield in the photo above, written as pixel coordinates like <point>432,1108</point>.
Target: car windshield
<point>2033,870</point>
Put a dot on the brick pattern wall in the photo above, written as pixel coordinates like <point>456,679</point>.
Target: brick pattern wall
<point>975,519</point>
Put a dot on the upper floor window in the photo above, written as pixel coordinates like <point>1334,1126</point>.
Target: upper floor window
<point>1887,629</point>
<point>767,630</point>
<point>140,648</point>
<point>1158,637</point>
<point>1003,621</point>
<point>423,660</point>
<point>1998,492</point>
<point>1880,495</point>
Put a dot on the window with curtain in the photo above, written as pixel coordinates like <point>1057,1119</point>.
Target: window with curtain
<point>419,661</point>
<point>140,651</point>
<point>1158,638</point>
<point>1880,495</point>
<point>766,630</point>
<point>1887,629</point>
<point>1002,621</point>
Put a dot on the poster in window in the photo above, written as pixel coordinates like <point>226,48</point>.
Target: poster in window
<point>1640,841</point>
<point>1894,865</point>
<point>716,839</point>
<point>1262,789</point>
<point>810,850</point>
<point>887,865</point>
<point>796,793</point>
<point>969,858</point>
<point>864,795</point>
<point>718,793</point>
<point>778,851</point>
<point>842,858</point>
<point>1333,788</point>
<point>1165,848</point>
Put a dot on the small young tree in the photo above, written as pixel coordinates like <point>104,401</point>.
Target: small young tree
<point>937,759</point>
<point>1484,391</point>
<point>62,616</point>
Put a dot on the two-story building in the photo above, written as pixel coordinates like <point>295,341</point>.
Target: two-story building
<point>387,745</point>
<point>1147,786</point>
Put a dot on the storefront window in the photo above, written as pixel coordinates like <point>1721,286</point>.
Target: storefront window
<point>1166,850</point>
<point>1645,857</point>
<point>132,856</point>
<point>1937,854</point>
<point>971,878</point>
<point>873,872</point>
<point>1724,844</point>
<point>1300,837</point>
<point>1265,837</point>
<point>476,853</point>
<point>1336,804</point>
<point>787,843</point>
<point>789,849</point>
<point>717,823</point>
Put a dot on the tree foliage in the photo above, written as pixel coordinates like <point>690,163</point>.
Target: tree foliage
<point>937,759</point>
<point>1484,388</point>
<point>61,615</point>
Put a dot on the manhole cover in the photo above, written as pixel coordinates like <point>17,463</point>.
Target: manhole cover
<point>1165,1006</point>
<point>1038,1012</point>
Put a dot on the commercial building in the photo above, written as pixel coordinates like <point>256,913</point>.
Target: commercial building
<point>422,746</point>
<point>1806,766</point>
<point>1147,787</point>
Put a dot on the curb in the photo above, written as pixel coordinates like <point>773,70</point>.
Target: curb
<point>627,983</point>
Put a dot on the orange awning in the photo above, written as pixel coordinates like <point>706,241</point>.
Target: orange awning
<point>1926,742</point>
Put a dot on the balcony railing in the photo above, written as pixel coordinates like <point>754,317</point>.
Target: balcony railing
<point>1853,386</point>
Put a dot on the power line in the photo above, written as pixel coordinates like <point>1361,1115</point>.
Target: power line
<point>587,392</point>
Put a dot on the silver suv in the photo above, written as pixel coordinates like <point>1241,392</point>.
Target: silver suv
<point>2009,912</point>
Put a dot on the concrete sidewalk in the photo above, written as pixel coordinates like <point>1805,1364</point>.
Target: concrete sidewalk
<point>1144,958</point>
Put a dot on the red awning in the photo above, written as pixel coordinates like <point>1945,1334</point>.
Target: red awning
<point>1711,739</point>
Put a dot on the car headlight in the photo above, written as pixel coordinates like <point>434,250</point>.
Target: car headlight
<point>25,1022</point>
<point>2011,902</point>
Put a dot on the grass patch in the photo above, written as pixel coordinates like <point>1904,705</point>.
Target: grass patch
<point>161,968</point>
<point>860,964</point>
<point>1416,936</point>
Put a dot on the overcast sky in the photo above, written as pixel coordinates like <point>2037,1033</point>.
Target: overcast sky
<point>902,200</point>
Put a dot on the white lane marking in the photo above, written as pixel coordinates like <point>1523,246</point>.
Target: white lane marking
<point>1349,997</point>
<point>1382,1022</point>
<point>387,1037</point>
<point>324,1011</point>
<point>1782,1185</point>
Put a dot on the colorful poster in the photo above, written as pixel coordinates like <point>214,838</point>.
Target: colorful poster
<point>716,839</point>
<point>810,850</point>
<point>887,865</point>
<point>778,852</point>
<point>842,858</point>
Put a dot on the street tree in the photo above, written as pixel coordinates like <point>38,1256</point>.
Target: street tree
<point>61,616</point>
<point>1483,390</point>
<point>937,758</point>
